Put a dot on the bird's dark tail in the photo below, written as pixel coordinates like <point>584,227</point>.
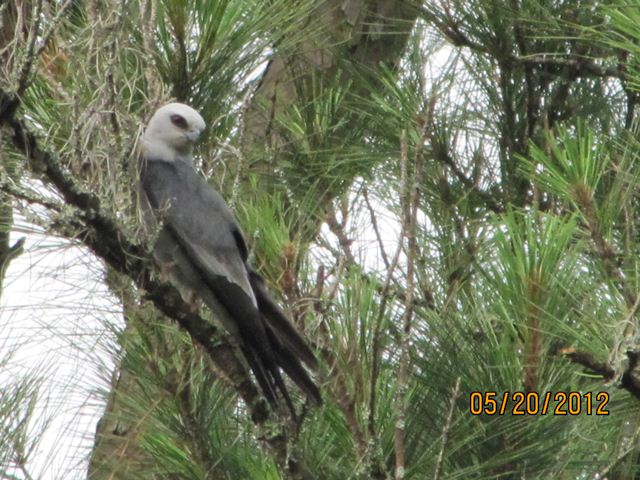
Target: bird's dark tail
<point>279,323</point>
<point>294,369</point>
<point>288,347</point>
<point>268,377</point>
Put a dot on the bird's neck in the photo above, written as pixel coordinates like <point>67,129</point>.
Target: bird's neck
<point>162,152</point>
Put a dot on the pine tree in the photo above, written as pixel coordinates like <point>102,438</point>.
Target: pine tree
<point>443,194</point>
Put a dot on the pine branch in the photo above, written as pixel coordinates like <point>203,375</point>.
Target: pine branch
<point>410,209</point>
<point>377,334</point>
<point>441,155</point>
<point>581,66</point>
<point>630,379</point>
<point>374,224</point>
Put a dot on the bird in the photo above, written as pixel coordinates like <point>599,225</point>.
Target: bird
<point>200,249</point>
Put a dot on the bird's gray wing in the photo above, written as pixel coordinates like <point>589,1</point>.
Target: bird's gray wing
<point>199,221</point>
<point>200,217</point>
<point>209,240</point>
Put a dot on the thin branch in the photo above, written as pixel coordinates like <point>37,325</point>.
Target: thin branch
<point>607,256</point>
<point>33,53</point>
<point>605,251</point>
<point>396,291</point>
<point>443,157</point>
<point>376,341</point>
<point>410,219</point>
<point>589,361</point>
<point>583,67</point>
<point>30,53</point>
<point>374,224</point>
<point>8,255</point>
<point>15,250</point>
<point>340,386</point>
<point>630,379</point>
<point>18,193</point>
<point>446,428</point>
<point>632,447</point>
<point>337,228</point>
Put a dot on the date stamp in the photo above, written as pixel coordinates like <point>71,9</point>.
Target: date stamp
<point>534,403</point>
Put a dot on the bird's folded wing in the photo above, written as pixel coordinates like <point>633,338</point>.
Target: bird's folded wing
<point>282,327</point>
<point>200,222</point>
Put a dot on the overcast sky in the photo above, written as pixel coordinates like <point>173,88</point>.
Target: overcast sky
<point>55,315</point>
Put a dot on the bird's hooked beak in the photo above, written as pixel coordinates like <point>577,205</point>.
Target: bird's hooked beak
<point>194,135</point>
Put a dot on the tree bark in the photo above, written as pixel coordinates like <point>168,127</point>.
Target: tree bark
<point>357,36</point>
<point>10,31</point>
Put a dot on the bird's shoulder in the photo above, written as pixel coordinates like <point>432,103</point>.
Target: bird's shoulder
<point>179,182</point>
<point>193,204</point>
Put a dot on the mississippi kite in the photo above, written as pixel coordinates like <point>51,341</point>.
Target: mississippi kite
<point>200,248</point>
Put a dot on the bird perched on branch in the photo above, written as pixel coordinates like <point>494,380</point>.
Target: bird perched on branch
<point>200,248</point>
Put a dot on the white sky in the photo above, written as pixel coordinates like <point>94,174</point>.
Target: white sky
<point>54,312</point>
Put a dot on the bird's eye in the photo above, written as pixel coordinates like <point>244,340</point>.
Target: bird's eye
<point>179,121</point>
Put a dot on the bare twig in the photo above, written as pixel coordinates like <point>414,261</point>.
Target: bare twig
<point>374,224</point>
<point>375,348</point>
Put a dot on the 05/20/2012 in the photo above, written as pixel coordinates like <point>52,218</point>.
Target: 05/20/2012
<point>534,403</point>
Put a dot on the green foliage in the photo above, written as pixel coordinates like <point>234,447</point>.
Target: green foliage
<point>21,425</point>
<point>576,164</point>
<point>512,127</point>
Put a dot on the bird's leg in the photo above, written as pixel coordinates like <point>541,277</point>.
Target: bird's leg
<point>169,273</point>
<point>193,301</point>
<point>167,270</point>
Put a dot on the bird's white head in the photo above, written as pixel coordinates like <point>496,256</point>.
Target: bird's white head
<point>171,133</point>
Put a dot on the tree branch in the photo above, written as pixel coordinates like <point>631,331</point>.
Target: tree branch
<point>630,380</point>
